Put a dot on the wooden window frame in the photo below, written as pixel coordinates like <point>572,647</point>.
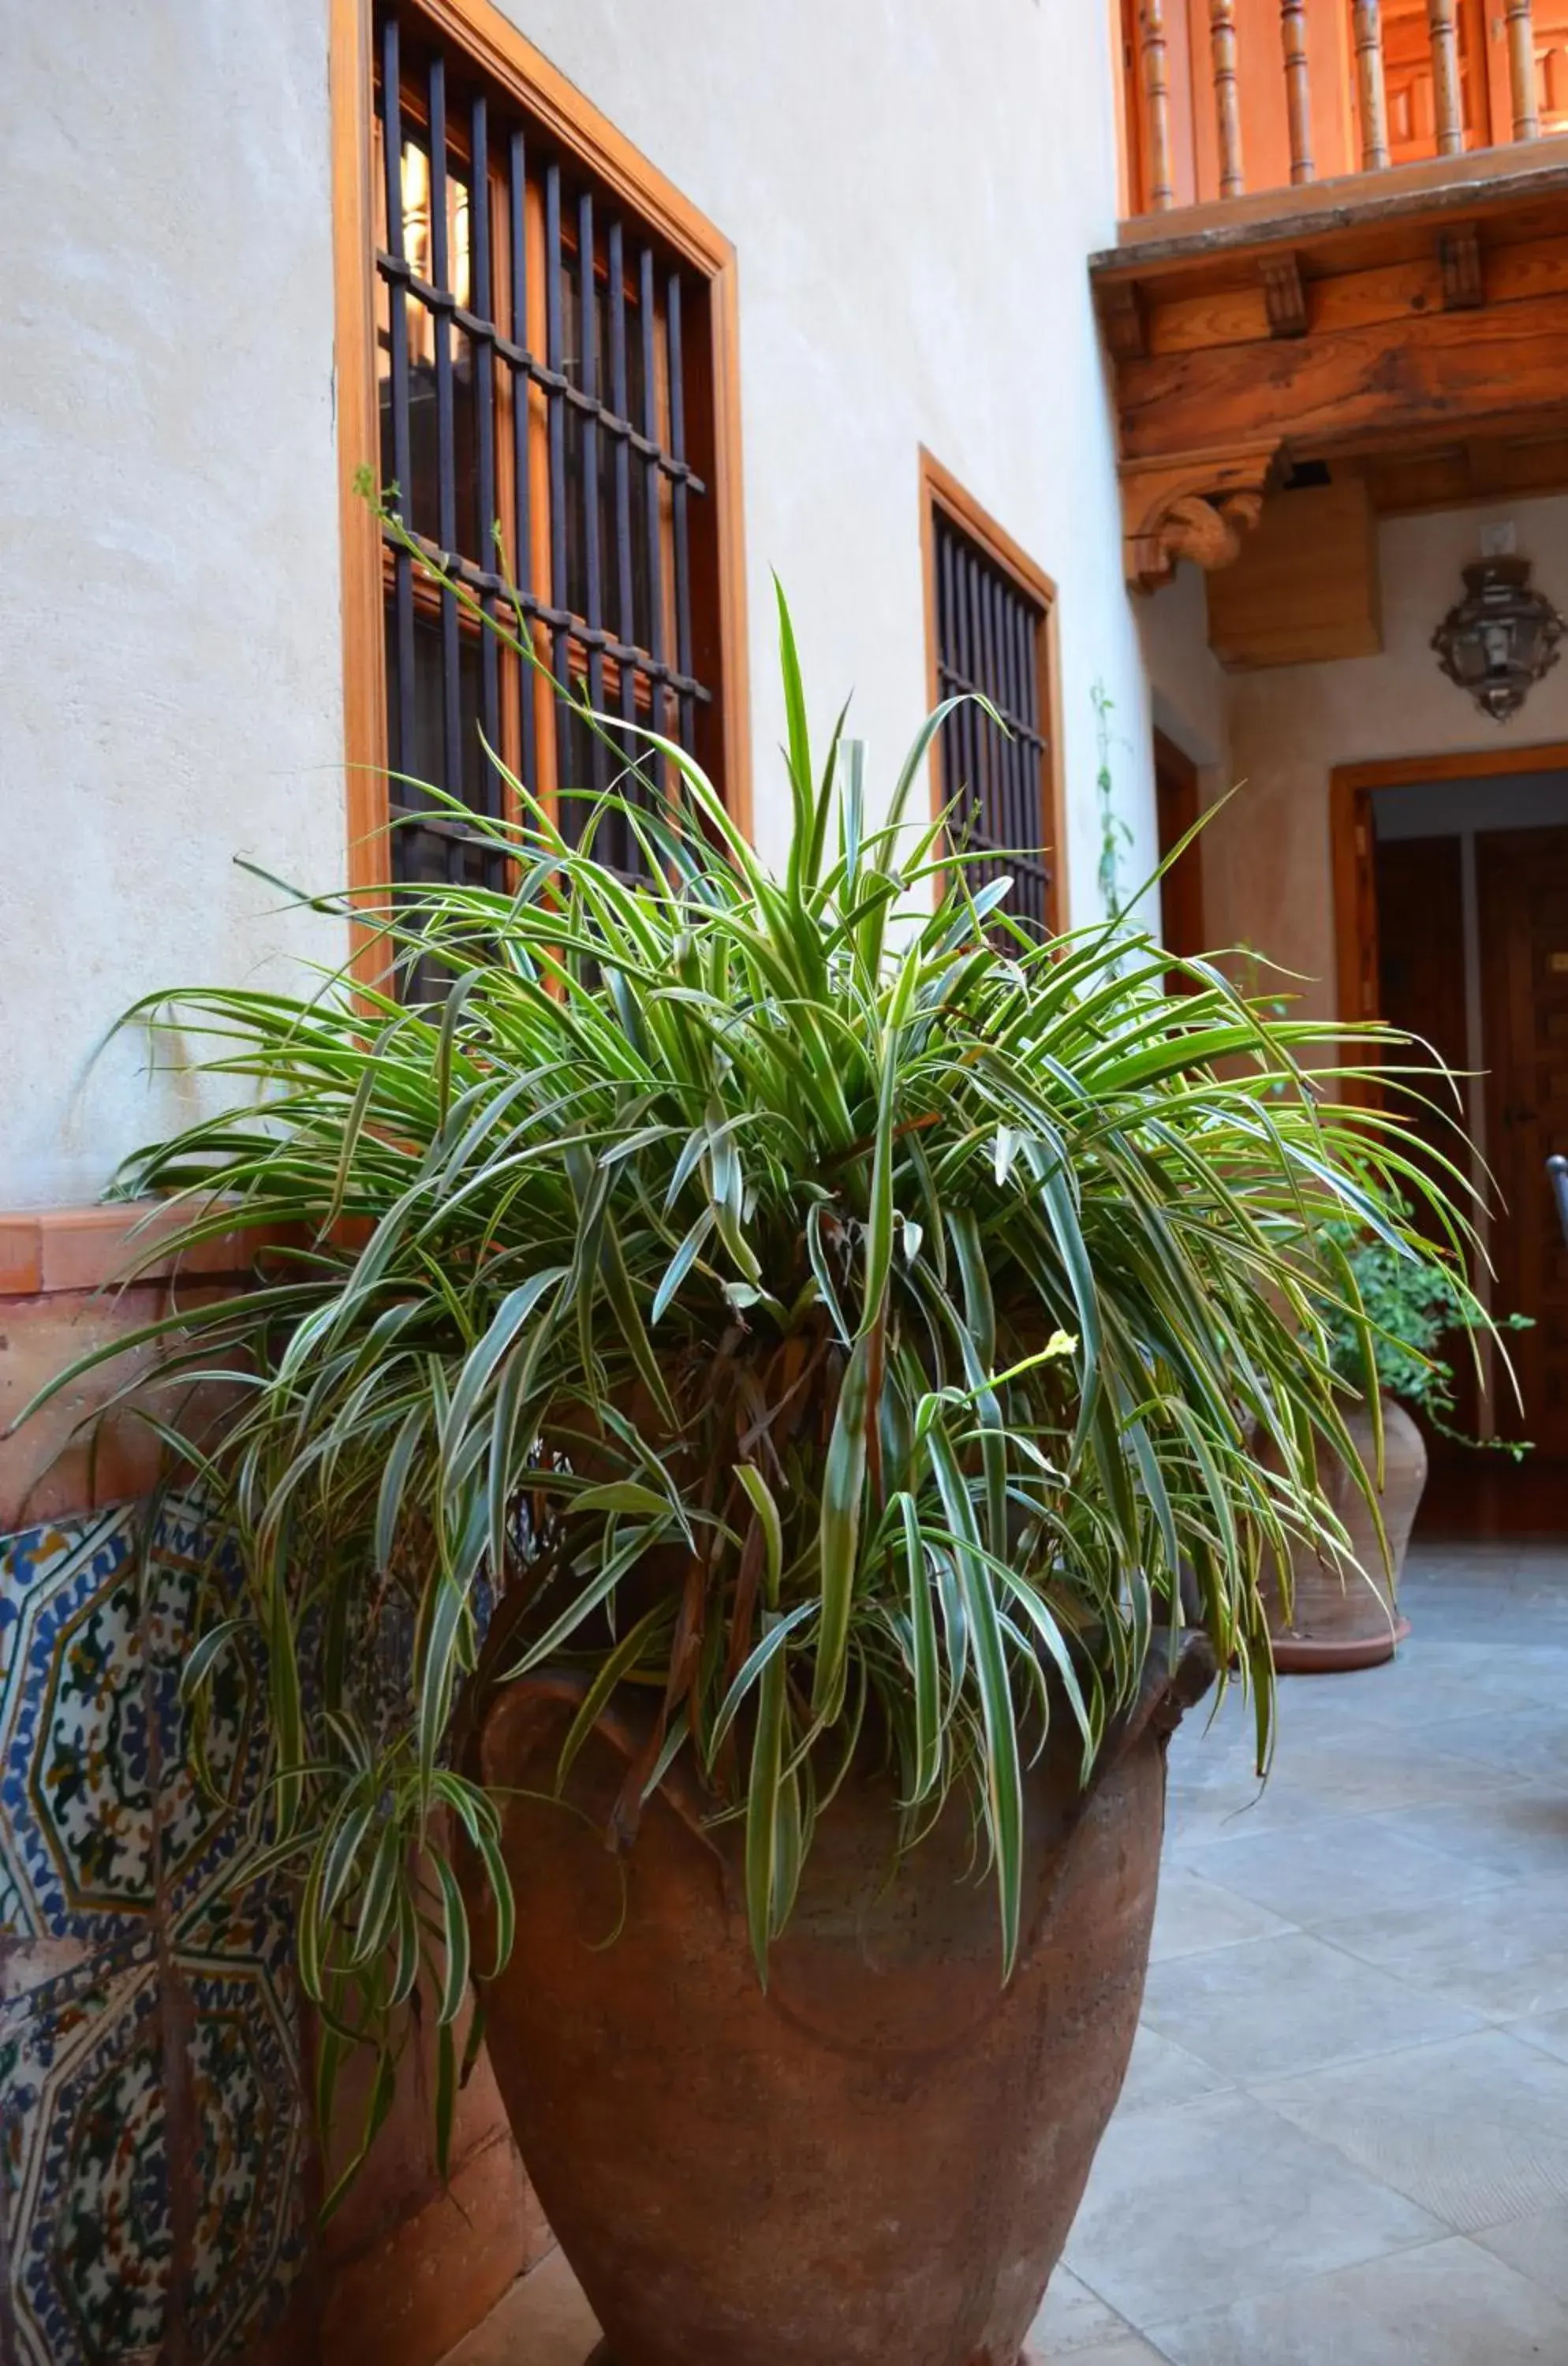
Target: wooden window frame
<point>504,55</point>
<point>941,491</point>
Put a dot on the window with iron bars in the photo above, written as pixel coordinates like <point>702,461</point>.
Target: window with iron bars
<point>546,368</point>
<point>990,630</point>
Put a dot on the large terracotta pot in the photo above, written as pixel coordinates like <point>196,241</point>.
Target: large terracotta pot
<point>878,2159</point>
<point>1345,1613</point>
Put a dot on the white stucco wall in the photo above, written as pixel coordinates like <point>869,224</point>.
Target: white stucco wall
<point>1267,872</point>
<point>170,665</point>
<point>912,188</point>
<point>1190,691</point>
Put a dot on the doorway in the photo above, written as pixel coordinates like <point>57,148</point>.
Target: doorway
<point>1178,805</point>
<point>1451,894</point>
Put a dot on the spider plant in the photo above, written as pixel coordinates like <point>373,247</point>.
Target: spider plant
<point>812,1299</point>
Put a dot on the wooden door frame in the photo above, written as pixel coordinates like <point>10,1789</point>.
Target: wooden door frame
<point>1351,790</point>
<point>1172,761</point>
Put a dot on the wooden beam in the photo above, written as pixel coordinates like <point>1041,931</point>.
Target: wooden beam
<point>1236,314</point>
<point>1516,433</point>
<point>1124,318</point>
<point>1441,371</point>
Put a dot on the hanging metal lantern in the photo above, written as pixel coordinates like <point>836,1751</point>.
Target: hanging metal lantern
<point>1501,638</point>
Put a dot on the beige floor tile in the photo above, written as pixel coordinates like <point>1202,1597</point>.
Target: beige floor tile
<point>1224,2198</point>
<point>541,2321</point>
<point>1448,2303</point>
<point>1277,2006</point>
<point>1195,1915</point>
<point>1073,2319</point>
<point>1476,2131</point>
<point>1536,2247</point>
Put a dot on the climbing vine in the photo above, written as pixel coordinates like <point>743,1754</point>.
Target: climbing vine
<point>1115,834</point>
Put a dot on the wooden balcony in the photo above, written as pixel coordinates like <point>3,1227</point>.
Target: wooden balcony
<point>1404,318</point>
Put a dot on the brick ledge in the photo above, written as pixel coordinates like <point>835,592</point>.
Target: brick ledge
<point>45,1250</point>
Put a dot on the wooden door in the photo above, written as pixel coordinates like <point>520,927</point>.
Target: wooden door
<point>1354,849</point>
<point>1522,883</point>
<point>1420,903</point>
<point>1420,907</point>
<point>1179,803</point>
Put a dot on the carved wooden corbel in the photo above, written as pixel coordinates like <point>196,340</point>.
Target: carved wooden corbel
<point>1464,285</point>
<point>1284,296</point>
<point>1196,507</point>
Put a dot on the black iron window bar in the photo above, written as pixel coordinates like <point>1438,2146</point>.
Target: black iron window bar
<point>587,440</point>
<point>988,639</point>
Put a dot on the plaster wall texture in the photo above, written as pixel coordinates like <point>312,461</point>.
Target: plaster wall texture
<point>912,189</point>
<point>1188,689</point>
<point>1266,859</point>
<point>170,667</point>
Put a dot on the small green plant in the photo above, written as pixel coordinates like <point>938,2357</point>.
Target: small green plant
<point>1412,1306</point>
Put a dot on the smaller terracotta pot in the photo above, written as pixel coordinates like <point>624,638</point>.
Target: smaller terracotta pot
<point>1345,1611</point>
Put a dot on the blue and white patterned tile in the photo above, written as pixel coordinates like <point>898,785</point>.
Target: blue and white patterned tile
<point>132,1931</point>
<point>75,1802</point>
<point>252,2230</point>
<point>87,2167</point>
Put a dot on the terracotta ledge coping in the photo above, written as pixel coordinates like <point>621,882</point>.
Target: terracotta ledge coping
<point>45,1250</point>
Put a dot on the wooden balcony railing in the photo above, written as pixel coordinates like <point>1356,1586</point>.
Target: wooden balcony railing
<point>1235,97</point>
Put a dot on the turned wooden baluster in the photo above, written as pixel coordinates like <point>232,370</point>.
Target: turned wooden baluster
<point>1442,23</point>
<point>1298,88</point>
<point>1370,87</point>
<point>1227,103</point>
<point>1521,70</point>
<point>1157,102</point>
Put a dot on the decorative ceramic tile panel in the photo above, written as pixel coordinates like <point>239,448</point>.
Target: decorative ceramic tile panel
<point>151,2127</point>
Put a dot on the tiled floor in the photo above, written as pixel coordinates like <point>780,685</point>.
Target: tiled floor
<point>1344,2138</point>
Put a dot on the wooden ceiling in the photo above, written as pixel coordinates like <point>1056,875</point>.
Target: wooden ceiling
<point>1483,468</point>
